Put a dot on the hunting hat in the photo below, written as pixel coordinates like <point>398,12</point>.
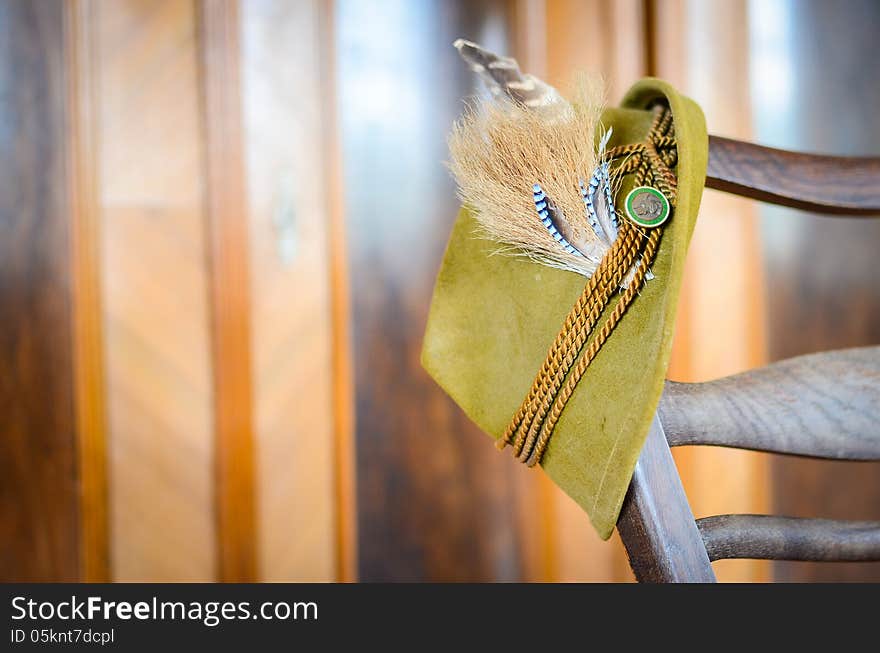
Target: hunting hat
<point>561,355</point>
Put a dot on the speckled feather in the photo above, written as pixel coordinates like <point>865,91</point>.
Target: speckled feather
<point>520,159</point>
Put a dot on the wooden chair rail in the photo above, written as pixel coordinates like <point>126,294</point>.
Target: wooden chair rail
<point>824,405</point>
<point>767,537</point>
<point>656,523</point>
<point>812,182</point>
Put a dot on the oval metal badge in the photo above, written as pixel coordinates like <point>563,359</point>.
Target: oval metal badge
<point>647,206</point>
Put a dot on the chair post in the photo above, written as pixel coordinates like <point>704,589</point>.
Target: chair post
<point>656,523</point>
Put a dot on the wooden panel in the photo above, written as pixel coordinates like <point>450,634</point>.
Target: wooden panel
<point>812,92</point>
<point>155,291</point>
<point>88,343</point>
<point>39,475</point>
<point>345,482</point>
<point>292,332</point>
<point>229,271</point>
<point>435,500</point>
<point>700,47</point>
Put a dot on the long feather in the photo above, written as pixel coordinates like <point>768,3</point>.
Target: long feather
<point>599,204</point>
<point>503,77</point>
<point>518,159</point>
<point>550,216</point>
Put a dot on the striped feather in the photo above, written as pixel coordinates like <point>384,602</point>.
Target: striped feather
<point>549,218</point>
<point>503,77</point>
<point>528,133</point>
<point>599,204</point>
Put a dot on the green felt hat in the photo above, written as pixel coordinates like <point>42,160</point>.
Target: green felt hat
<point>493,318</point>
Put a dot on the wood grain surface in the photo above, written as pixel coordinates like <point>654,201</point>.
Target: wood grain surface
<point>656,523</point>
<point>342,366</point>
<point>155,291</point>
<point>230,286</point>
<point>811,182</point>
<point>824,405</point>
<point>284,122</point>
<point>85,275</point>
<point>39,478</point>
<point>787,538</point>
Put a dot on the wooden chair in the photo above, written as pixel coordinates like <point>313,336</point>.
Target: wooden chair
<point>823,405</point>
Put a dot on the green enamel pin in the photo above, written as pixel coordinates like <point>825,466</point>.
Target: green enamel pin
<point>647,206</point>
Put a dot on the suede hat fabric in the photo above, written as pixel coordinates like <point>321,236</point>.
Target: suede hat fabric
<point>493,318</point>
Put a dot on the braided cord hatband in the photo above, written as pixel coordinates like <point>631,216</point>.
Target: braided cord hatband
<point>650,163</point>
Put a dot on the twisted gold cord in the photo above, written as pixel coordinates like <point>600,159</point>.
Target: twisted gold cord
<point>597,342</point>
<point>532,426</point>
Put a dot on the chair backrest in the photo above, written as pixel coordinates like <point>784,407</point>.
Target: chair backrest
<point>823,405</point>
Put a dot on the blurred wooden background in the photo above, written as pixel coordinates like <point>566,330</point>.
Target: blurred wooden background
<point>220,222</point>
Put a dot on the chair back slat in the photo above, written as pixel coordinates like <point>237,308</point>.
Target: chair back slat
<point>767,537</point>
<point>813,182</point>
<point>824,405</point>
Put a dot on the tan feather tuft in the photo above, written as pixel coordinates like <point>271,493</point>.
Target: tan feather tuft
<point>499,149</point>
